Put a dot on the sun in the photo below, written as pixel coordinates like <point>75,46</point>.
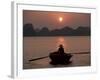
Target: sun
<point>60,19</point>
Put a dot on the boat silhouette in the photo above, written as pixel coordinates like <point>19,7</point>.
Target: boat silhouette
<point>60,57</point>
<point>56,58</point>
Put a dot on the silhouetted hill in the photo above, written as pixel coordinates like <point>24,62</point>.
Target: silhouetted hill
<point>62,32</point>
<point>43,32</point>
<point>82,31</point>
<point>28,30</point>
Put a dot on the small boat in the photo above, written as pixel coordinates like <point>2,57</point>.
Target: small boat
<point>57,58</point>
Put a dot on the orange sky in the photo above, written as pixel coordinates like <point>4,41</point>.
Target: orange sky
<point>51,19</point>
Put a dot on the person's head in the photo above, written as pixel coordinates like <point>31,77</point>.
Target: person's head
<point>60,45</point>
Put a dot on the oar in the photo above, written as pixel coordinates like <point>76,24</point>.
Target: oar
<point>80,53</point>
<point>38,58</point>
<point>48,56</point>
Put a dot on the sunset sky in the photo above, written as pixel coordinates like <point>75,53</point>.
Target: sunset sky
<point>56,20</point>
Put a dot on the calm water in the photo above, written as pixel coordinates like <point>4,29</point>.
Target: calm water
<point>41,46</point>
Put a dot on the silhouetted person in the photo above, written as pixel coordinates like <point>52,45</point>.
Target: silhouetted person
<point>60,57</point>
<point>61,49</point>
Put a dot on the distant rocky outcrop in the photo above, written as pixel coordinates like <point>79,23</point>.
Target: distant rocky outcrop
<point>82,31</point>
<point>28,30</point>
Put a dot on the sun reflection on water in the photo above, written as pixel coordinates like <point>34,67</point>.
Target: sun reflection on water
<point>61,41</point>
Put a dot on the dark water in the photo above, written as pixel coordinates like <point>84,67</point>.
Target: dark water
<point>41,46</point>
